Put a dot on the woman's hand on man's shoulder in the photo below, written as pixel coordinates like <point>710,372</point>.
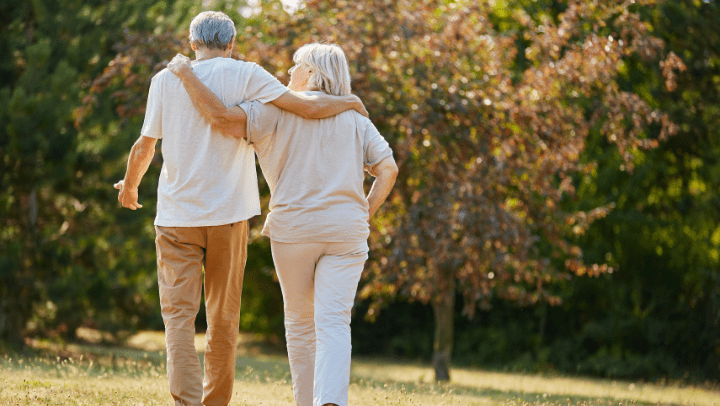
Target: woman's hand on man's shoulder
<point>179,65</point>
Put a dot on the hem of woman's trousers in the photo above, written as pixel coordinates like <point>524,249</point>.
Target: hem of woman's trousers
<point>324,401</point>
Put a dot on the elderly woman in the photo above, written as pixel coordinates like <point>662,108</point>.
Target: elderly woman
<point>318,220</point>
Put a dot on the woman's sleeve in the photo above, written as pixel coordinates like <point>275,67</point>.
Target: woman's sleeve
<point>262,120</point>
<point>376,148</point>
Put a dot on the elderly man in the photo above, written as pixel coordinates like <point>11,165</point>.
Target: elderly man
<point>207,192</point>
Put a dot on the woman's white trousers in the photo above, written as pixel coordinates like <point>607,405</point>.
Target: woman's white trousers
<point>319,282</point>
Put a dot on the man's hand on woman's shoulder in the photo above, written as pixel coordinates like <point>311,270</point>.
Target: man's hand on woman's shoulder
<point>359,106</point>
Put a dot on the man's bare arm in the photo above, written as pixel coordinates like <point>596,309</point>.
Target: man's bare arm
<point>226,119</point>
<point>385,171</point>
<point>318,106</point>
<point>230,121</point>
<point>141,155</point>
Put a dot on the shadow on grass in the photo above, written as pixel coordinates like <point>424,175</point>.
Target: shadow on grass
<point>92,360</point>
<point>83,360</point>
<point>502,397</point>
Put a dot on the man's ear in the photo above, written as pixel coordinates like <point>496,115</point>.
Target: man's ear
<point>193,46</point>
<point>231,44</point>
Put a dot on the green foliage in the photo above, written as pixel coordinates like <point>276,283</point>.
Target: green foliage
<point>402,330</point>
<point>69,256</point>
<point>262,306</point>
<point>662,308</point>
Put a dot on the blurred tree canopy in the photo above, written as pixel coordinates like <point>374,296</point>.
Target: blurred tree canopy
<point>661,311</point>
<point>60,236</point>
<point>534,144</point>
<point>69,257</point>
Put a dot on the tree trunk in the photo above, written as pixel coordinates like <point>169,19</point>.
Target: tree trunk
<point>11,322</point>
<point>15,277</point>
<point>444,310</point>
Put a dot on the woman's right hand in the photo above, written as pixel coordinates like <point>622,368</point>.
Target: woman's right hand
<point>180,65</point>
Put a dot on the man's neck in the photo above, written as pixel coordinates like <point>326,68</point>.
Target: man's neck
<point>205,54</point>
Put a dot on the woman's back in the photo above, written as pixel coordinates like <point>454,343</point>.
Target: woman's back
<point>315,172</point>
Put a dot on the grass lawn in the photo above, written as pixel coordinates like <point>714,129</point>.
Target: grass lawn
<point>134,374</point>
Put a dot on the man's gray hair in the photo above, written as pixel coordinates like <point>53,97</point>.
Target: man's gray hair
<point>330,72</point>
<point>212,29</point>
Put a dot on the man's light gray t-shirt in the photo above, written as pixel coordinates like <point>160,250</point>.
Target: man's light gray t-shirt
<point>314,169</point>
<point>207,179</point>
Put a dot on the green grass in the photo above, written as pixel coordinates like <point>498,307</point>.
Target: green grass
<point>134,374</point>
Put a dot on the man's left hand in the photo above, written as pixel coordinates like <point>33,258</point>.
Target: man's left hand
<point>359,106</point>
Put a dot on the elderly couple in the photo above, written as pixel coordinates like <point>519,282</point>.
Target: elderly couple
<point>212,114</point>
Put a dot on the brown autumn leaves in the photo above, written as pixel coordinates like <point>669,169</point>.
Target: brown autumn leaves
<point>489,141</point>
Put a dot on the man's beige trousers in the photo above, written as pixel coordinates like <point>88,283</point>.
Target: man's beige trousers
<point>182,253</point>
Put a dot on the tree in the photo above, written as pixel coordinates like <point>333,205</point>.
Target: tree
<point>65,260</point>
<point>489,140</point>
<point>660,314</point>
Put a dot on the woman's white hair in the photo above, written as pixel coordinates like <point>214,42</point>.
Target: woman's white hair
<point>330,72</point>
<point>212,29</point>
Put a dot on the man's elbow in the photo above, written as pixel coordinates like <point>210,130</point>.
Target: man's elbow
<point>310,111</point>
<point>142,152</point>
<point>218,119</point>
<point>219,122</point>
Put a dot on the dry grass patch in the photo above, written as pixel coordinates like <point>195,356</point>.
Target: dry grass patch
<point>134,374</point>
<point>525,384</point>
